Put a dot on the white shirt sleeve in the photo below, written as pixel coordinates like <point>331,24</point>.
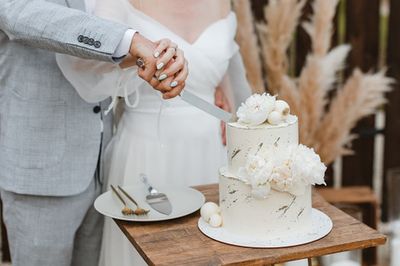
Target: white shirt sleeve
<point>125,45</point>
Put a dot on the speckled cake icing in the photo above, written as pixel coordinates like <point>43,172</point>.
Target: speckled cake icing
<point>265,190</point>
<point>277,215</point>
<point>244,140</point>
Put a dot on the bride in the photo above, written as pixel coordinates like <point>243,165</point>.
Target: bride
<point>172,142</point>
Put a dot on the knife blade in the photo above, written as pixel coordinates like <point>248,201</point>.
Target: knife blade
<point>207,107</point>
<point>157,200</point>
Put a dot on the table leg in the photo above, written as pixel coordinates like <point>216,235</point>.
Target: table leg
<point>309,261</point>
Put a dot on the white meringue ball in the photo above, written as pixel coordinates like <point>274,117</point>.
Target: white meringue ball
<point>208,209</point>
<point>282,107</point>
<point>215,220</point>
<point>275,118</point>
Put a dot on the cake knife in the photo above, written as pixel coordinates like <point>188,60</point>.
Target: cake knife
<point>207,107</point>
<point>158,201</point>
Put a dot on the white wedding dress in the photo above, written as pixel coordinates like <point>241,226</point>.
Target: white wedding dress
<point>172,142</point>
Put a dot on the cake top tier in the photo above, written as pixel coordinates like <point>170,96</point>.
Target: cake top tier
<point>261,109</point>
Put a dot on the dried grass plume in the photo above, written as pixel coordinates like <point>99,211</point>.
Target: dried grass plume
<point>325,127</point>
<point>359,97</point>
<point>247,40</point>
<point>282,19</point>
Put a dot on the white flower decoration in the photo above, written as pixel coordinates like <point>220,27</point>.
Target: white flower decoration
<point>290,170</point>
<point>284,180</point>
<point>308,166</point>
<point>255,110</point>
<point>258,173</point>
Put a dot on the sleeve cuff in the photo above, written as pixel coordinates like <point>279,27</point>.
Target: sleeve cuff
<point>124,46</point>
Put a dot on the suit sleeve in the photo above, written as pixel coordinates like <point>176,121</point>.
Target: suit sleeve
<point>57,28</point>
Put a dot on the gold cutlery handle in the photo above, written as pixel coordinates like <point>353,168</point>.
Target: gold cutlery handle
<point>128,196</point>
<point>118,195</point>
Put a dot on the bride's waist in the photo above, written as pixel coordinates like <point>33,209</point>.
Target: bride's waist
<point>170,122</point>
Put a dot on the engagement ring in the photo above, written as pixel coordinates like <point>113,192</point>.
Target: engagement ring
<point>140,62</point>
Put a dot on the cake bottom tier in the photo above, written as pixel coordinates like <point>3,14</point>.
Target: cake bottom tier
<point>278,215</point>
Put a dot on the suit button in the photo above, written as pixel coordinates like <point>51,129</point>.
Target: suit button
<point>90,41</point>
<point>80,38</point>
<point>85,40</point>
<point>96,109</point>
<point>97,44</point>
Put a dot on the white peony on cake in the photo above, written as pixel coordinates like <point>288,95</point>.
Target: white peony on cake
<point>265,190</point>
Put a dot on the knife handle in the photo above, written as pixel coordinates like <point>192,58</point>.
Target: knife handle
<point>151,190</point>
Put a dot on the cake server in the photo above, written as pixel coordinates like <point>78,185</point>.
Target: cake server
<point>157,200</point>
<point>207,107</point>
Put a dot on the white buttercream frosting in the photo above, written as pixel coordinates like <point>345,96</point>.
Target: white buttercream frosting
<point>245,140</point>
<point>279,214</point>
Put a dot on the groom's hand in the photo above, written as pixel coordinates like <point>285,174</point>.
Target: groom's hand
<point>160,56</point>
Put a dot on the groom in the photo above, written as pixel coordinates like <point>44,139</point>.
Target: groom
<point>51,141</point>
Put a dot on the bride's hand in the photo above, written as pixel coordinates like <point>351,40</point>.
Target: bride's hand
<point>173,79</point>
<point>160,56</point>
<point>172,68</point>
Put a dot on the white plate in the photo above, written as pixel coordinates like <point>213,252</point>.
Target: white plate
<point>184,201</point>
<point>320,227</point>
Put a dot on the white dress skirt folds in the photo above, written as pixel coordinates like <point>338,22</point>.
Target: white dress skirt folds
<point>172,142</point>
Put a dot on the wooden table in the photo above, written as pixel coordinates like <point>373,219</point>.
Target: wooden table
<point>180,242</point>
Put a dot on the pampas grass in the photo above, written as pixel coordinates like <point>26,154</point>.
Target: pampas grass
<point>247,40</point>
<point>325,127</point>
<point>359,97</point>
<point>288,91</point>
<point>319,28</point>
<point>316,79</point>
<point>282,19</point>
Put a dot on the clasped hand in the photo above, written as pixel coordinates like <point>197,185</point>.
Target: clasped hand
<point>164,65</point>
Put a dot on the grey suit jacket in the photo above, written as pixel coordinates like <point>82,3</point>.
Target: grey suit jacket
<point>49,137</point>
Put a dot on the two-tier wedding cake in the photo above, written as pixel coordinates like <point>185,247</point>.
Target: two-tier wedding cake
<point>265,190</point>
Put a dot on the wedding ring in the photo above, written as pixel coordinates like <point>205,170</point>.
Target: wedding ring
<point>140,62</point>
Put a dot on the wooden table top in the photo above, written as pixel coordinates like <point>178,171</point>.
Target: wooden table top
<point>180,242</point>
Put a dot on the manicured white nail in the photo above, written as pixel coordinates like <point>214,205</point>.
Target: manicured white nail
<point>162,77</point>
<point>159,66</point>
<point>173,84</point>
<point>156,54</point>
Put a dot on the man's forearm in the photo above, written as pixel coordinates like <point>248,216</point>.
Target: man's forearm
<point>57,28</point>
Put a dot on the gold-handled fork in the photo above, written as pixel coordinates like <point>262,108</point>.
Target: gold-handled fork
<point>125,210</point>
<point>138,210</point>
